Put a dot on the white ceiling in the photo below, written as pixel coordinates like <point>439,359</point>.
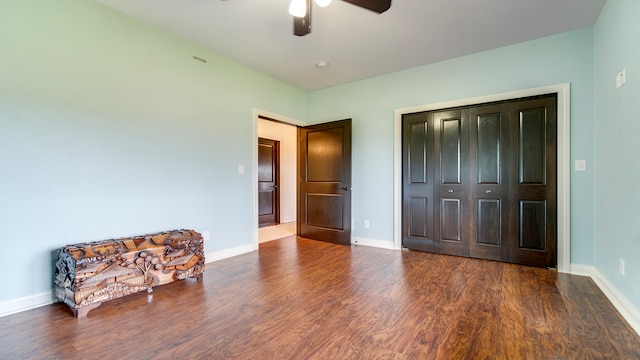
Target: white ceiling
<point>357,43</point>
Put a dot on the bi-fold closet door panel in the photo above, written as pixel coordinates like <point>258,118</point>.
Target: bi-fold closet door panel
<point>451,182</point>
<point>417,182</point>
<point>489,193</point>
<point>534,179</point>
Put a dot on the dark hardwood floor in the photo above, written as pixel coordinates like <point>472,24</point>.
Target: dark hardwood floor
<point>302,299</point>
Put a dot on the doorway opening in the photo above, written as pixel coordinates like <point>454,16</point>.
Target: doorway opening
<point>276,181</point>
<point>318,193</point>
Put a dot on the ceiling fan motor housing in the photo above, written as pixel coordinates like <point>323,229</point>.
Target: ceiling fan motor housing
<point>302,25</point>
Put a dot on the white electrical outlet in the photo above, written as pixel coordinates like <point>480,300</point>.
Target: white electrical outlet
<point>581,165</point>
<point>205,235</point>
<point>365,223</point>
<point>622,267</point>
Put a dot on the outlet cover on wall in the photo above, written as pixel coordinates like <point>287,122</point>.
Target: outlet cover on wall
<point>205,235</point>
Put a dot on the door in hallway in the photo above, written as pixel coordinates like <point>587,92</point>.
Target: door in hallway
<point>268,182</point>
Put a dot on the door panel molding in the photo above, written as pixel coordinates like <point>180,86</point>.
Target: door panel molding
<point>329,208</point>
<point>532,225</point>
<point>450,220</point>
<point>418,210</point>
<point>490,225</point>
<point>418,154</point>
<point>563,158</point>
<point>532,131</point>
<point>450,142</point>
<point>488,128</point>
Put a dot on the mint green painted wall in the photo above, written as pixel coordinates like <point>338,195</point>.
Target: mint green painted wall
<point>552,60</point>
<point>109,128</point>
<point>617,124</point>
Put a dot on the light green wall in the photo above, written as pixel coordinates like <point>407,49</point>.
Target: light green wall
<point>617,198</point>
<point>564,58</point>
<point>110,128</point>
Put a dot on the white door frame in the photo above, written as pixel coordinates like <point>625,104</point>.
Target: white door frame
<point>254,161</point>
<point>563,154</point>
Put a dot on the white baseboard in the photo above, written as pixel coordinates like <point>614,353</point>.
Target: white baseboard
<point>227,253</point>
<point>372,242</point>
<point>582,270</point>
<point>27,303</point>
<point>619,301</point>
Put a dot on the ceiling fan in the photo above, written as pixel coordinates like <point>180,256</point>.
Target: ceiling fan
<point>301,11</point>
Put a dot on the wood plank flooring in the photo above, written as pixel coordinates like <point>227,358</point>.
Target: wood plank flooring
<point>302,299</point>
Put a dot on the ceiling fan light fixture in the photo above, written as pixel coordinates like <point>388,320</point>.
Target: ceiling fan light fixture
<point>323,3</point>
<point>298,8</point>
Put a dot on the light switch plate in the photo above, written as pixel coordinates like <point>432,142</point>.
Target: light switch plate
<point>621,78</point>
<point>581,165</point>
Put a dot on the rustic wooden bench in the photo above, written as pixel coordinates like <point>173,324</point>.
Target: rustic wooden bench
<point>89,274</point>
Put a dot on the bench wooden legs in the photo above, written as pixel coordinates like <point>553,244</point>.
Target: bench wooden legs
<point>82,311</point>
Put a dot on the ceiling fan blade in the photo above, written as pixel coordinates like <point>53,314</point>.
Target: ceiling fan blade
<point>378,6</point>
<point>302,25</point>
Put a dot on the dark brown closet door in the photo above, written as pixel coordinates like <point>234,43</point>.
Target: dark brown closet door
<point>533,177</point>
<point>451,185</point>
<point>489,189</point>
<point>417,181</point>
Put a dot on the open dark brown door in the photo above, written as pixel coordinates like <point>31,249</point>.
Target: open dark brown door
<point>268,191</point>
<point>324,175</point>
